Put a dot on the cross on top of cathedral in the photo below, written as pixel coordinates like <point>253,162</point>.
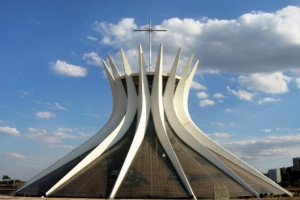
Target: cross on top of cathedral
<point>150,31</point>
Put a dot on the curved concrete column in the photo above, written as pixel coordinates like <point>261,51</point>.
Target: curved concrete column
<point>118,111</point>
<point>170,105</point>
<point>181,98</point>
<point>143,116</point>
<point>114,136</point>
<point>159,122</point>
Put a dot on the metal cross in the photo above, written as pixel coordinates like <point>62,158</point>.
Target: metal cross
<point>150,31</point>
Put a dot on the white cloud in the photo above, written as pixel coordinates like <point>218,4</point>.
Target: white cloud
<point>92,58</point>
<point>218,96</point>
<point>45,115</point>
<point>244,45</point>
<point>114,34</point>
<point>84,135</point>
<point>65,129</point>
<point>34,130</point>
<point>93,115</point>
<point>222,135</point>
<point>62,146</point>
<point>268,100</point>
<point>15,155</point>
<point>274,83</point>
<point>265,147</point>
<point>59,106</point>
<point>44,136</point>
<point>24,93</point>
<point>36,21</point>
<point>52,106</point>
<point>202,95</point>
<point>232,124</point>
<point>266,130</point>
<point>197,86</point>
<point>298,82</point>
<point>92,38</point>
<point>206,102</point>
<point>9,130</point>
<point>218,123</point>
<point>242,94</point>
<point>64,69</point>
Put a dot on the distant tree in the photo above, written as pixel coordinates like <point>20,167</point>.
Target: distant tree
<point>285,183</point>
<point>5,178</point>
<point>296,183</point>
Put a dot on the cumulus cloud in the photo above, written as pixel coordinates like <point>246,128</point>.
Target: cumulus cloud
<point>263,148</point>
<point>218,96</point>
<point>268,100</point>
<point>202,95</point>
<point>274,83</point>
<point>45,115</point>
<point>206,102</point>
<point>114,34</point>
<point>44,136</point>
<point>92,58</point>
<point>241,94</point>
<point>253,42</point>
<point>15,155</point>
<point>9,130</point>
<point>197,86</point>
<point>62,68</point>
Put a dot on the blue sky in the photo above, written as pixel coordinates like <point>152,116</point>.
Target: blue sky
<point>54,94</point>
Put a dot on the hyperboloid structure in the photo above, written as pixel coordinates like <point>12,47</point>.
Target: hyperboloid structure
<point>150,147</point>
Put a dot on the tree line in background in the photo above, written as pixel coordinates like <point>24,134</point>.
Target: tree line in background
<point>290,177</point>
<point>7,184</point>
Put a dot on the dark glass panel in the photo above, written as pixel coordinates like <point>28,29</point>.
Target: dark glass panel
<point>201,173</point>
<point>40,187</point>
<point>164,82</point>
<point>124,85</point>
<point>136,83</point>
<point>98,178</point>
<point>259,185</point>
<point>151,175</point>
<point>150,82</point>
